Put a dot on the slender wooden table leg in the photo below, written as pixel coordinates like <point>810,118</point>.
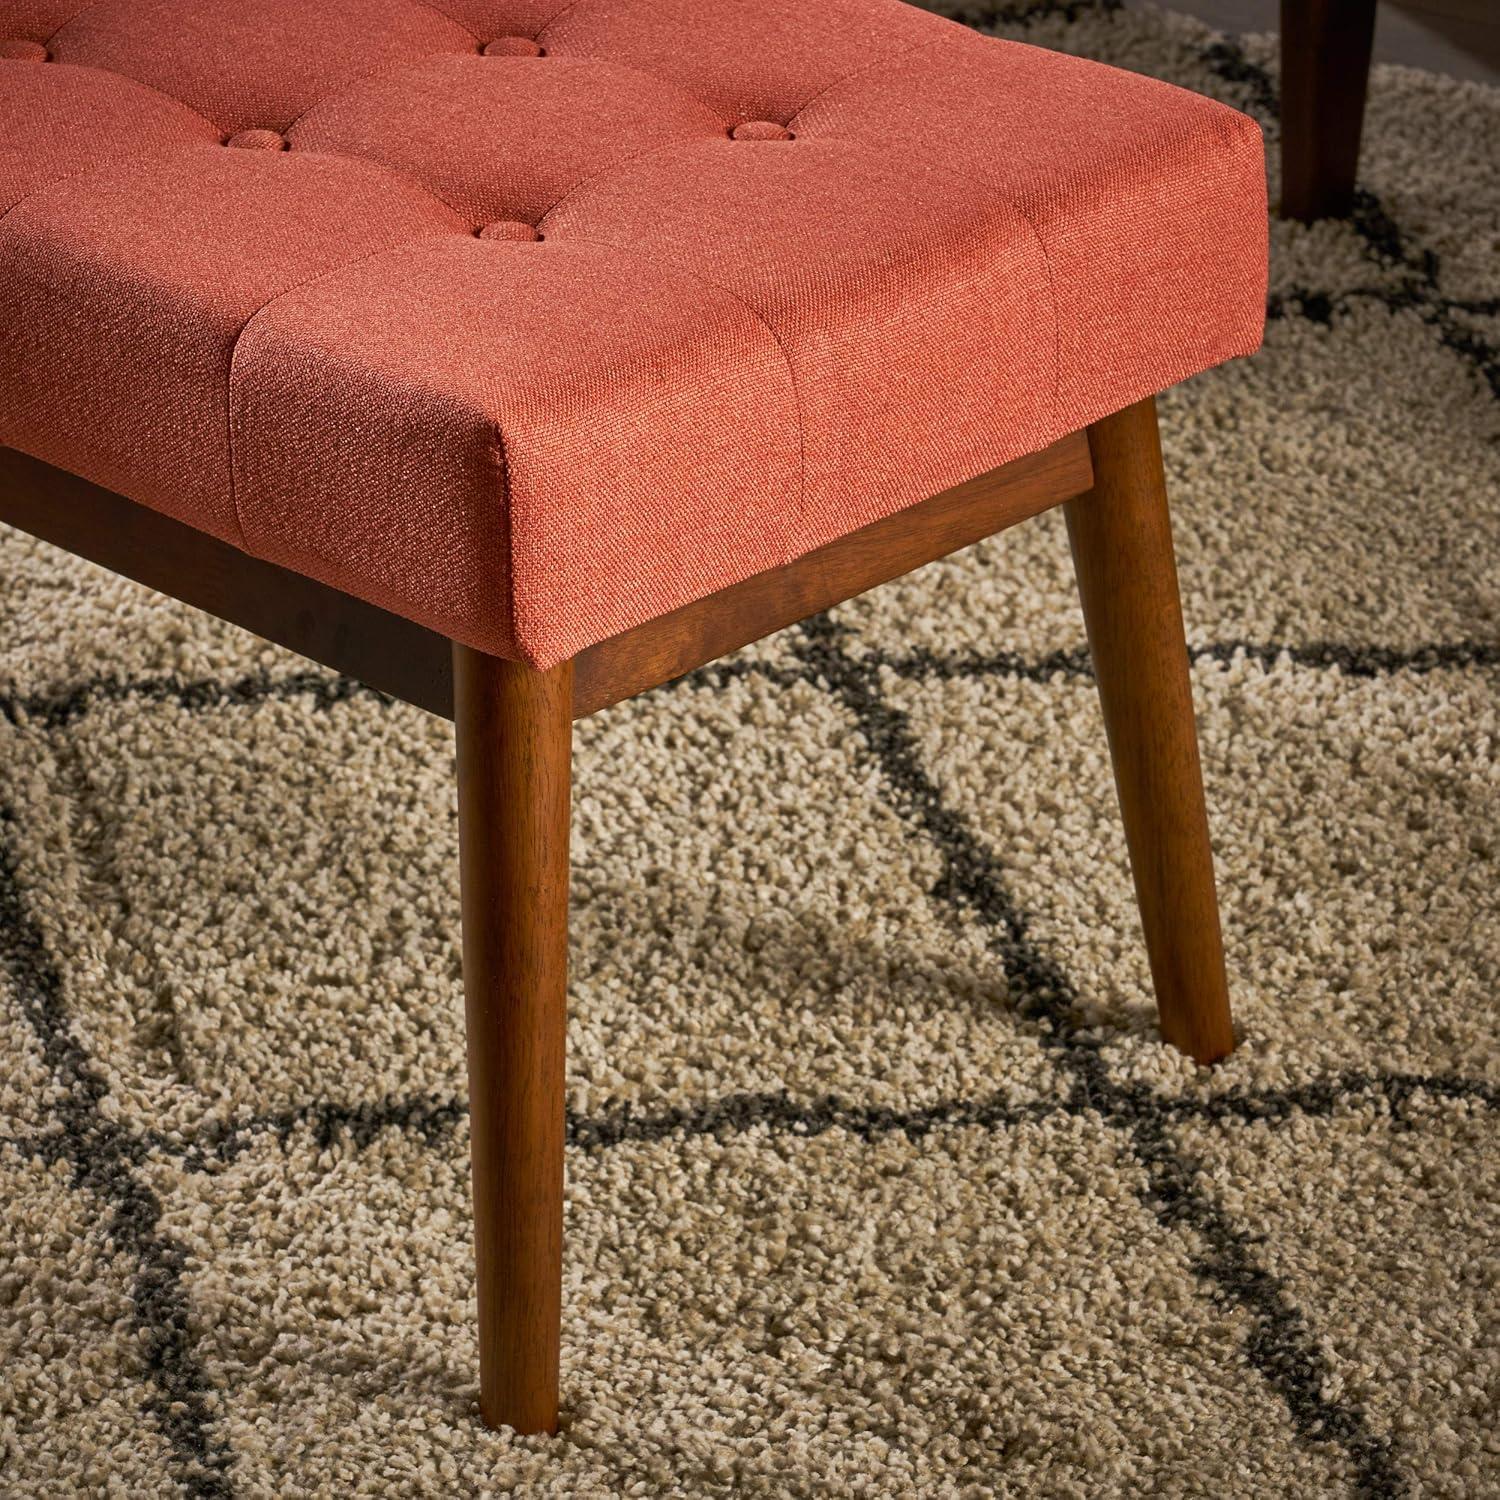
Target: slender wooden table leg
<point>1325,71</point>
<point>514,729</point>
<point>1127,579</point>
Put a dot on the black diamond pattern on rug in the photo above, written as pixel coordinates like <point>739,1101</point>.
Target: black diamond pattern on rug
<point>296,1098</point>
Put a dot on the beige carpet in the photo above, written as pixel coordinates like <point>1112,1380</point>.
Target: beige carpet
<point>881,1183</point>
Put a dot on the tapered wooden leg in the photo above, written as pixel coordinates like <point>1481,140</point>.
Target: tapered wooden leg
<point>1127,579</point>
<point>514,747</point>
<point>1325,71</point>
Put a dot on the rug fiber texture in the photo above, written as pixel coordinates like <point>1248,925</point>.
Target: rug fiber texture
<point>880,1182</point>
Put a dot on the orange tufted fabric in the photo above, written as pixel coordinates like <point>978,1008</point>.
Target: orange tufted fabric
<point>534,319</point>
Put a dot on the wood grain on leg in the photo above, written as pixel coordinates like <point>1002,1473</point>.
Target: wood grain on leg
<point>1127,579</point>
<point>1325,72</point>
<point>514,728</point>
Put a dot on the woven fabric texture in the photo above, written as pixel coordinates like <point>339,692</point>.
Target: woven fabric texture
<point>532,321</point>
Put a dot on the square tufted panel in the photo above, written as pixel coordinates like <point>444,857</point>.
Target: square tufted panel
<point>533,320</point>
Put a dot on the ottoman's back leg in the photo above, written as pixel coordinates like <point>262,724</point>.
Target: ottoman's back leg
<point>1127,579</point>
<point>515,728</point>
<point>1325,72</point>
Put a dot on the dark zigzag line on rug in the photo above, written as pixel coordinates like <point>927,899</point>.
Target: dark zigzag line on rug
<point>102,1154</point>
<point>325,690</point>
<point>1281,1347</point>
<point>331,1123</point>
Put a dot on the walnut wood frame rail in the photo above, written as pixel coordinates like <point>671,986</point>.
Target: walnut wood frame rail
<point>514,745</point>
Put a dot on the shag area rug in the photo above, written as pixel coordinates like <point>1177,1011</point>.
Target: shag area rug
<point>880,1182</point>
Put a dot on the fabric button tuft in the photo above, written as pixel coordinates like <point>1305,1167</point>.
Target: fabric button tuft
<point>258,140</point>
<point>18,49</point>
<point>512,46</point>
<point>761,130</point>
<point>508,229</point>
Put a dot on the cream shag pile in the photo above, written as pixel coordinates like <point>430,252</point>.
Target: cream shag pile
<point>880,1182</point>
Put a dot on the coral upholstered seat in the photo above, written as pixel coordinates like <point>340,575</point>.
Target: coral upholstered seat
<point>531,320</point>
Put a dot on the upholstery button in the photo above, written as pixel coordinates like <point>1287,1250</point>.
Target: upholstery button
<point>761,130</point>
<point>508,229</point>
<point>18,49</point>
<point>258,140</point>
<point>512,46</point>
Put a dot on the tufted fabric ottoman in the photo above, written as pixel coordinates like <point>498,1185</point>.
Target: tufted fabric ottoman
<point>516,356</point>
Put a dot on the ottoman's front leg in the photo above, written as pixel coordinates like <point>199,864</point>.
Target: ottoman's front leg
<point>1127,579</point>
<point>514,750</point>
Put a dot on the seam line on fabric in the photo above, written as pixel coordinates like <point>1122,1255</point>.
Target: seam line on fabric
<point>996,195</point>
<point>888,59</point>
<point>791,373</point>
<point>354,83</point>
<point>82,10</point>
<point>150,88</point>
<point>552,20</point>
<point>618,166</point>
<point>508,521</point>
<point>437,10</point>
<point>244,328</point>
<point>1041,245</point>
